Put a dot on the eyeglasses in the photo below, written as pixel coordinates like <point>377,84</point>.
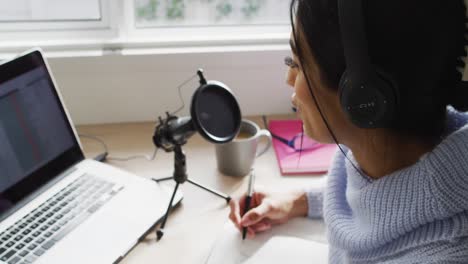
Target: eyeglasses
<point>299,142</point>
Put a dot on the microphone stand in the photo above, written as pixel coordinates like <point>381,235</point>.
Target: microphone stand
<point>180,176</point>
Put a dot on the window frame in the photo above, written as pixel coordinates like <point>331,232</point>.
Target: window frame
<point>117,32</point>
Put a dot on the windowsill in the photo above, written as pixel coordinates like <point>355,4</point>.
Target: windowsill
<point>143,46</point>
<point>111,82</point>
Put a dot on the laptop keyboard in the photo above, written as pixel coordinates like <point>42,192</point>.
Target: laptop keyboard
<point>38,231</point>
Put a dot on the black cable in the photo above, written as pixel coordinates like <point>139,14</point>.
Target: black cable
<point>179,88</point>
<point>100,157</point>
<point>104,156</point>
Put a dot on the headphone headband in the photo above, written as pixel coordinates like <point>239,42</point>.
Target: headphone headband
<point>353,35</point>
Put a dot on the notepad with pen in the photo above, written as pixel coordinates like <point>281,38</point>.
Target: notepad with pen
<point>313,158</point>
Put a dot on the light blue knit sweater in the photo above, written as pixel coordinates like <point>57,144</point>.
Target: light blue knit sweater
<point>415,215</point>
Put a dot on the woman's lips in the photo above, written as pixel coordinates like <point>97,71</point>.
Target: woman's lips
<point>295,108</point>
<point>293,102</point>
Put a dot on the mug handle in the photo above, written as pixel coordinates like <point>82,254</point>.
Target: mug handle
<point>267,134</point>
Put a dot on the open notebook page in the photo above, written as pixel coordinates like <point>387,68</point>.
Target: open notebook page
<point>283,249</point>
<point>229,248</point>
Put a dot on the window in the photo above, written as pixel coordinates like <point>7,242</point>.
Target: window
<point>47,15</point>
<point>116,25</point>
<point>49,10</point>
<point>106,52</point>
<point>160,13</point>
<point>205,23</point>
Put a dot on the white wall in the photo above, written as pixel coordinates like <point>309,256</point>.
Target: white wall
<point>128,88</point>
<point>131,88</point>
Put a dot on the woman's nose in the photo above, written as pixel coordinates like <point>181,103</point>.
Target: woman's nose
<point>290,77</point>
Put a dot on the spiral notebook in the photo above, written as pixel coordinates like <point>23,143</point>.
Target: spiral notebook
<point>291,162</point>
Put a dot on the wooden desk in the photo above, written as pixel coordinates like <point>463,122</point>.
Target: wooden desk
<point>193,227</point>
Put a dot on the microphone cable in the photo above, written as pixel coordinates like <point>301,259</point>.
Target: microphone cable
<point>179,88</point>
<point>105,155</point>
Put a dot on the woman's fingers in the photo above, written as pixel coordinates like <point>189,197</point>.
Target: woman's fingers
<point>236,206</point>
<point>255,219</point>
<point>234,214</point>
<point>261,226</point>
<point>256,214</point>
<point>258,228</point>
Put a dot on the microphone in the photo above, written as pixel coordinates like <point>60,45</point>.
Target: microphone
<point>214,113</point>
<point>173,131</point>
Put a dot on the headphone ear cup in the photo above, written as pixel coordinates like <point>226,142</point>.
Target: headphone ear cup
<point>370,104</point>
<point>389,88</point>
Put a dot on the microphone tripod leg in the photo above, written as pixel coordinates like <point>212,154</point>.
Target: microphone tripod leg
<point>163,179</point>
<point>160,231</point>
<point>222,195</point>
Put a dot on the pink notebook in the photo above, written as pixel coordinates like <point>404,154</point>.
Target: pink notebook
<point>291,162</point>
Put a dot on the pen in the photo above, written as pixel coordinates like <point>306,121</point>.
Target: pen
<point>248,199</point>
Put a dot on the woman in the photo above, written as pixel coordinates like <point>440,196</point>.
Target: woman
<point>396,194</point>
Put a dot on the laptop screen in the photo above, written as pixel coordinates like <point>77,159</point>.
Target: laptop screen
<point>36,139</point>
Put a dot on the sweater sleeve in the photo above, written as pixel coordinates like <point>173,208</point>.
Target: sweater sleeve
<point>315,203</point>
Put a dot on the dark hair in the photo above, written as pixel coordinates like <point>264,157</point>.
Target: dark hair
<point>421,43</point>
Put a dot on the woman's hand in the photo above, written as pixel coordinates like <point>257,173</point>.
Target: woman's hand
<point>267,209</point>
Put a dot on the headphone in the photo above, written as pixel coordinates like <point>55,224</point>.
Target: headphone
<point>368,96</point>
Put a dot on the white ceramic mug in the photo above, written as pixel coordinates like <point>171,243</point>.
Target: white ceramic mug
<point>237,157</point>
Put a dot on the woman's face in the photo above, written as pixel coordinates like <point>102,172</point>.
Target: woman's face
<point>307,110</point>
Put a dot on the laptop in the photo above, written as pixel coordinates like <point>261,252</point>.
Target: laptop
<point>55,205</point>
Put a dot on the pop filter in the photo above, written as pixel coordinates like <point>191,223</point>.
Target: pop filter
<point>214,113</point>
